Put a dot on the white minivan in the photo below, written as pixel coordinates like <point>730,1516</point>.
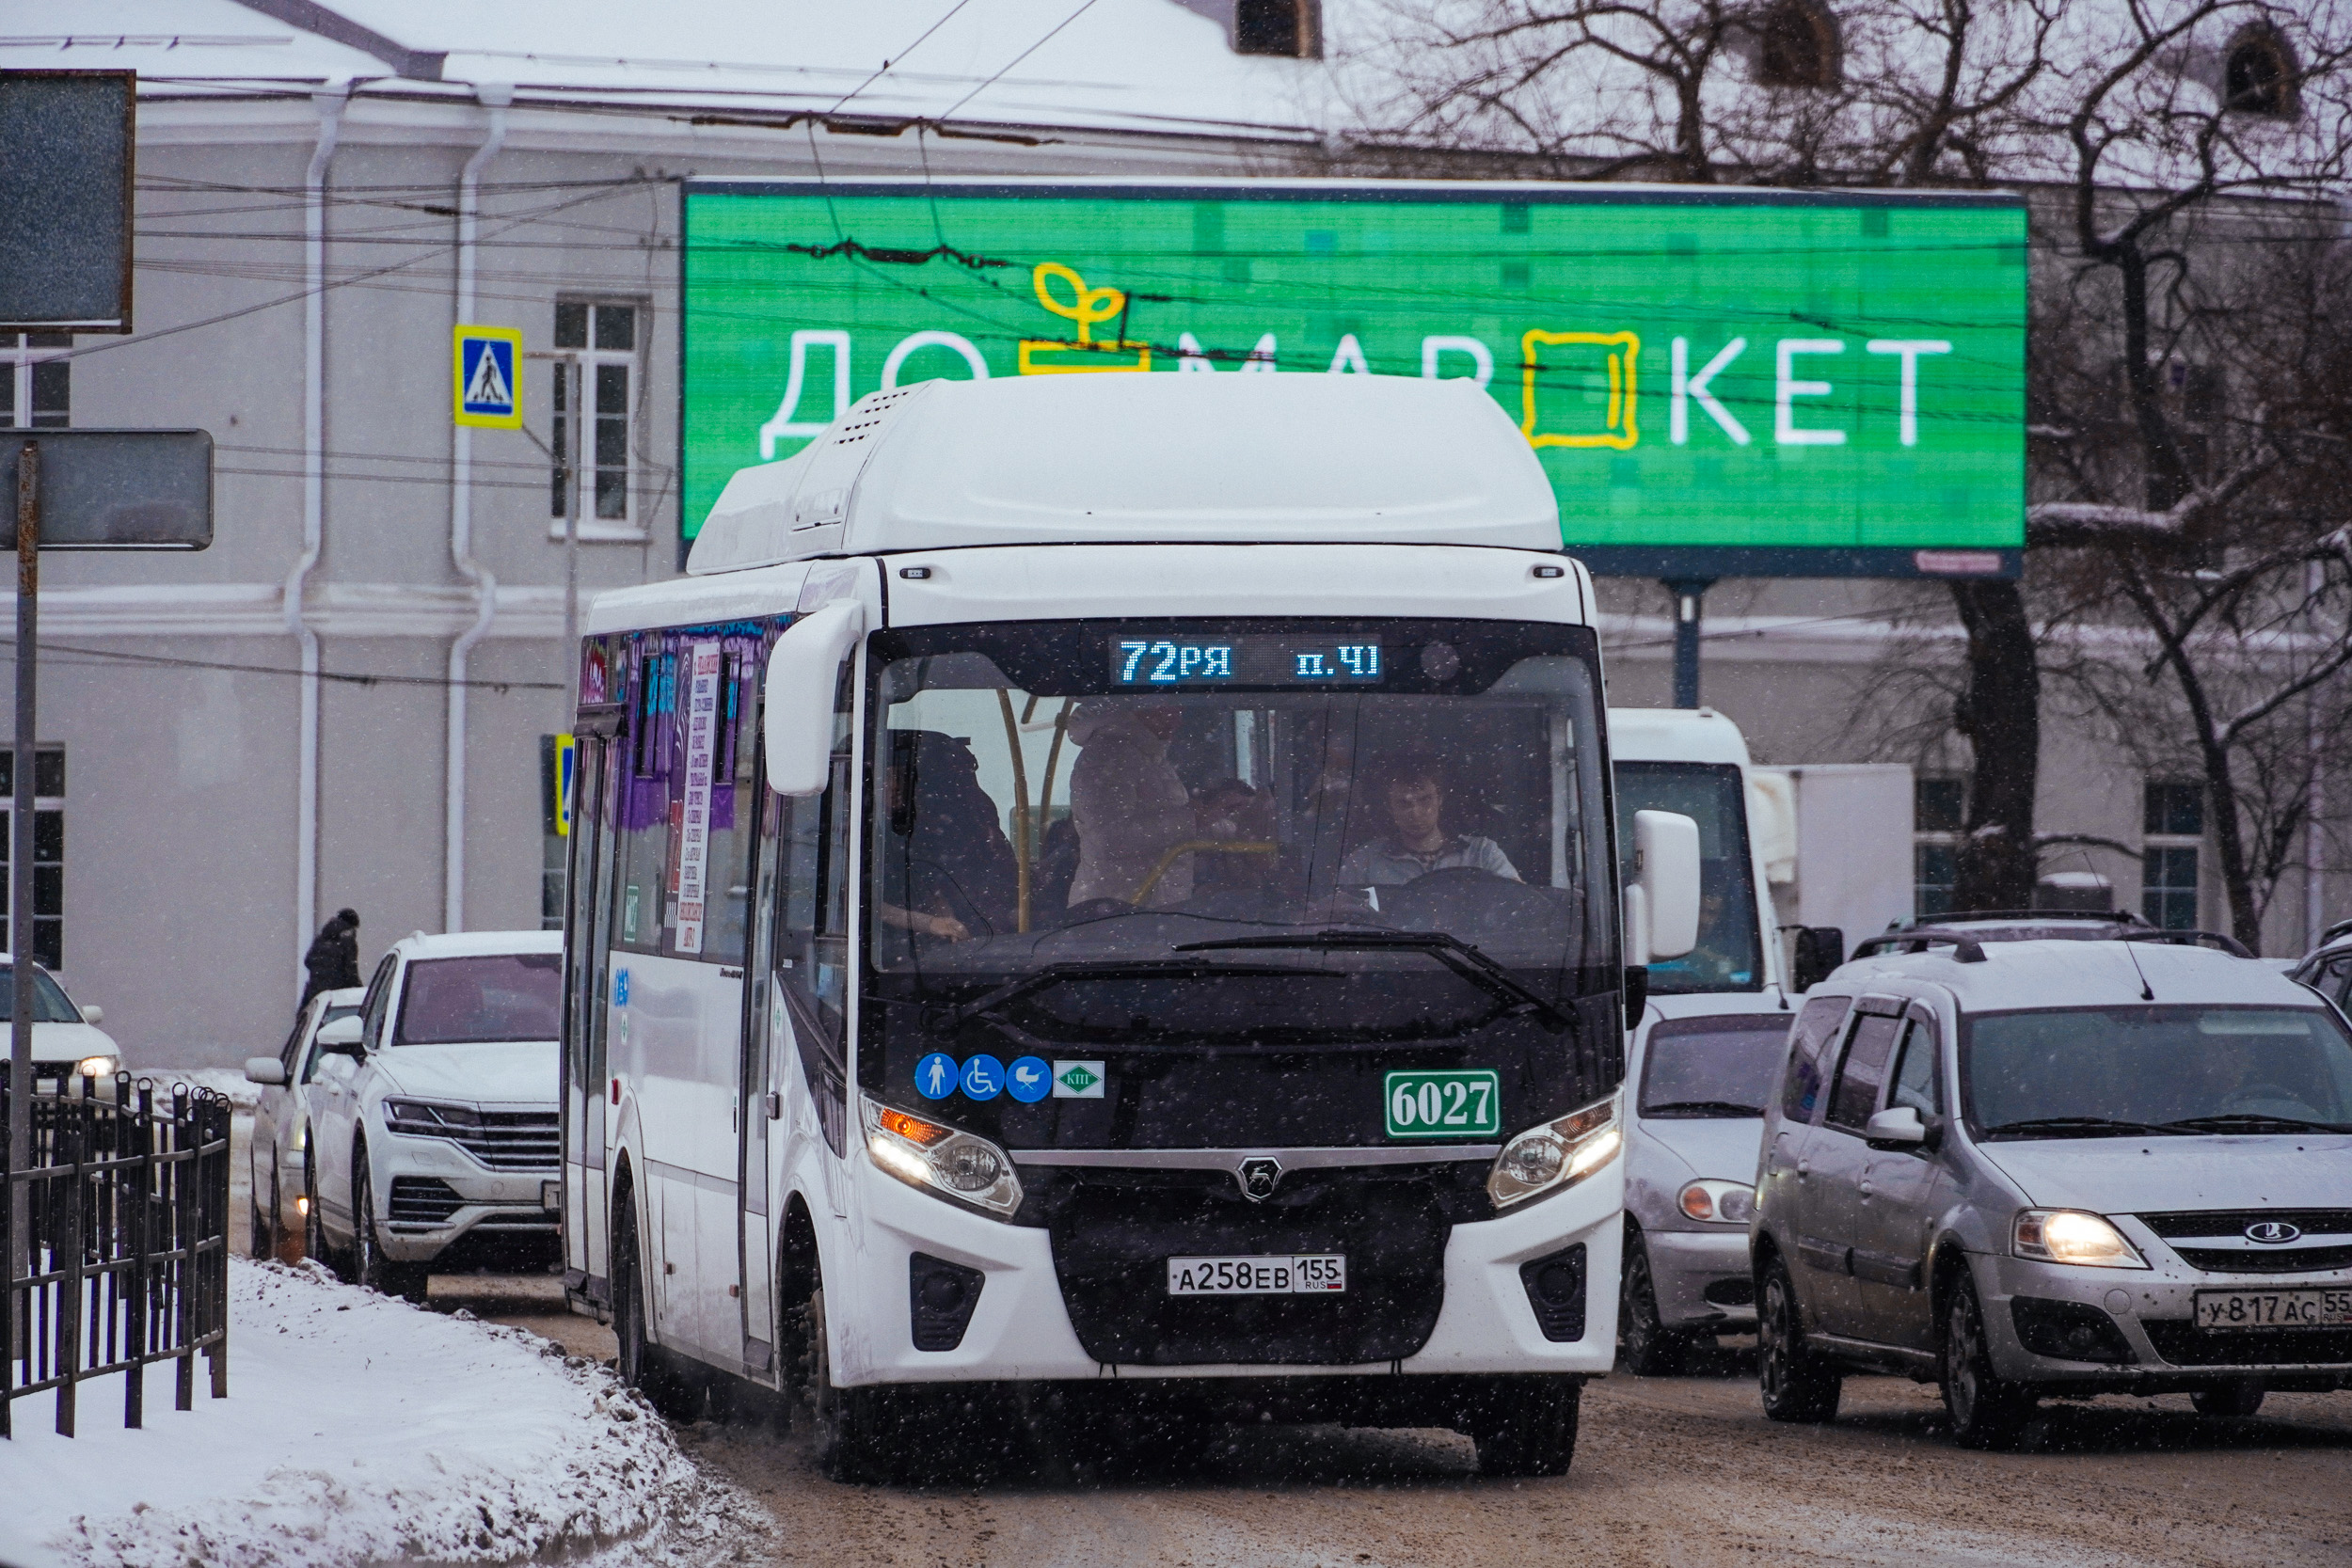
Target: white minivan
<point>433,1114</point>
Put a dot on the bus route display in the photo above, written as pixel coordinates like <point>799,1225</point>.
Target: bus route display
<point>1145,662</point>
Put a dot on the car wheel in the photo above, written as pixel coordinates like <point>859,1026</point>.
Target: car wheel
<point>2237,1399</point>
<point>854,1426</point>
<point>644,1365</point>
<point>1649,1347</point>
<point>1987,1410</point>
<point>377,1270</point>
<point>1799,1383</point>
<point>1528,1426</point>
<point>314,1242</point>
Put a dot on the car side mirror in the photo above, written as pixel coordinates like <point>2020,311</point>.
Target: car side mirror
<point>342,1038</point>
<point>1900,1127</point>
<point>1662,906</point>
<point>804,669</point>
<point>94,1013</point>
<point>266,1071</point>
<point>1819,949</point>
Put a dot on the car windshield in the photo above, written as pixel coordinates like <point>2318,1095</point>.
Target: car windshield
<point>2066,1071</point>
<point>1730,954</point>
<point>49,1000</point>
<point>495,996</point>
<point>1712,1067</point>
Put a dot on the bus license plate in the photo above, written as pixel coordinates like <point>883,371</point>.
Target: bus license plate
<point>2274,1308</point>
<point>1313,1275</point>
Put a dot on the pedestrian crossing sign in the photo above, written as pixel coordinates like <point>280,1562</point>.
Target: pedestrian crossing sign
<point>488,367</point>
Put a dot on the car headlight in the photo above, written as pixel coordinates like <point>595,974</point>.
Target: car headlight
<point>2071,1236</point>
<point>942,1160</point>
<point>427,1119</point>
<point>1556,1155</point>
<point>1721,1202</point>
<point>98,1066</point>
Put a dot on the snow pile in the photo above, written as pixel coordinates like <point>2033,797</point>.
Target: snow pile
<point>359,1430</point>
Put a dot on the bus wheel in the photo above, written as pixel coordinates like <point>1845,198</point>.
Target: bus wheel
<point>1526,1426</point>
<point>644,1365</point>
<point>853,1426</point>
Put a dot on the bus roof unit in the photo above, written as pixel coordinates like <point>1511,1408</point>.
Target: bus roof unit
<point>1157,459</point>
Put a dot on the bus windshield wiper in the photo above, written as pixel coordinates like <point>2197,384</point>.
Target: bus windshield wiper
<point>989,1002</point>
<point>2253,1121</point>
<point>1702,1108</point>
<point>1449,950</point>
<point>2073,1127</point>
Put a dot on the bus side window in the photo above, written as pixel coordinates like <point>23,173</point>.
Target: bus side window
<point>813,935</point>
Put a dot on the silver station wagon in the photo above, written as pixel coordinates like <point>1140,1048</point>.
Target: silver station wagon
<point>2039,1168</point>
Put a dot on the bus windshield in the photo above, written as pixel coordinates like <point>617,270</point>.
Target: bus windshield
<point>1276,835</point>
<point>1730,954</point>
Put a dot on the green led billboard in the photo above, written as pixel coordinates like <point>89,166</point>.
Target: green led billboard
<point>1720,383</point>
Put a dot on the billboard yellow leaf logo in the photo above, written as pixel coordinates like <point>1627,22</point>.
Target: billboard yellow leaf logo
<point>1572,398</point>
<point>1087,308</point>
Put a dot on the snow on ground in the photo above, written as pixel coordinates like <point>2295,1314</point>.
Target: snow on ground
<point>359,1430</point>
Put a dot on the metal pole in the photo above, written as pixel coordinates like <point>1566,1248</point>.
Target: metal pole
<point>1689,597</point>
<point>570,370</point>
<point>21,851</point>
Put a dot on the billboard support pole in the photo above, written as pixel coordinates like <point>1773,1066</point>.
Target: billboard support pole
<point>21,859</point>
<point>1689,597</point>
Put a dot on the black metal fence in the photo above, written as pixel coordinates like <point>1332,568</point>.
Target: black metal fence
<point>123,1199</point>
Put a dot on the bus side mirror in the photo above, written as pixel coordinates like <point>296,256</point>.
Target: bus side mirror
<point>1661,908</point>
<point>1819,950</point>
<point>802,670</point>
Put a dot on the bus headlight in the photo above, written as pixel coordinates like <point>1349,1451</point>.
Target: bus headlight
<point>1555,1156</point>
<point>942,1160</point>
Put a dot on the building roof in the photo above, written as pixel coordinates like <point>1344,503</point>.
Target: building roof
<point>2030,975</point>
<point>1133,66</point>
<point>1166,459</point>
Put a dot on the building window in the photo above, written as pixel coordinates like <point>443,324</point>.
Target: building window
<point>2259,74</point>
<point>48,852</point>
<point>2172,832</point>
<point>593,398</point>
<point>1292,29</point>
<point>1797,46</point>
<point>1939,807</point>
<point>36,386</point>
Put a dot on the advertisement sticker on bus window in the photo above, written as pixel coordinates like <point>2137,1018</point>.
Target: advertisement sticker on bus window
<point>1447,1104</point>
<point>702,731</point>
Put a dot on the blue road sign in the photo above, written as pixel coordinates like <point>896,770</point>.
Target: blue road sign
<point>1029,1081</point>
<point>935,1076</point>
<point>983,1077</point>
<point>489,384</point>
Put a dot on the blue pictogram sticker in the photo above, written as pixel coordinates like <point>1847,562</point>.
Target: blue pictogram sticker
<point>1029,1079</point>
<point>983,1077</point>
<point>620,987</point>
<point>935,1076</point>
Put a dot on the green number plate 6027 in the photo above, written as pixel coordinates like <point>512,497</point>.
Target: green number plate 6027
<point>1448,1103</point>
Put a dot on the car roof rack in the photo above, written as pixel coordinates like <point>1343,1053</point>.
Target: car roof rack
<point>2229,945</point>
<point>1952,917</point>
<point>1969,949</point>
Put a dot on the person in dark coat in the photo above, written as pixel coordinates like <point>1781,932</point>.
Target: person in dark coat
<point>333,959</point>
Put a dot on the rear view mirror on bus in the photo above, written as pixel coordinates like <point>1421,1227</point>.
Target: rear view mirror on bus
<point>1661,908</point>
<point>802,670</point>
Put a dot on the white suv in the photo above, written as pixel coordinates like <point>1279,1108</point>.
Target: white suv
<point>432,1114</point>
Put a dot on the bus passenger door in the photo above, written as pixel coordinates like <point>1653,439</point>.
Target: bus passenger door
<point>587,955</point>
<point>764,1035</point>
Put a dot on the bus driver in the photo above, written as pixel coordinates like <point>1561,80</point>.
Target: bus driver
<point>1414,795</point>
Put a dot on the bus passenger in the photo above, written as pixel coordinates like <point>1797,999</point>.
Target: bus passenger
<point>1414,793</point>
<point>1132,808</point>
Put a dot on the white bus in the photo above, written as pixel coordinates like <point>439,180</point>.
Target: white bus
<point>1101,890</point>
